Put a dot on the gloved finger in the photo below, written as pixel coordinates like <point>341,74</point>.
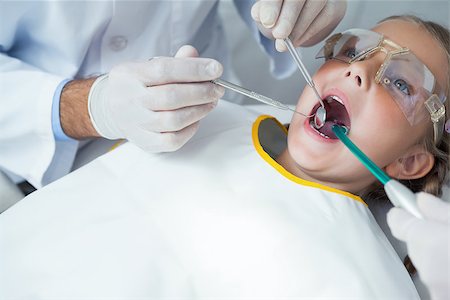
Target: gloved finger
<point>176,140</point>
<point>280,45</point>
<point>410,229</point>
<point>401,223</point>
<point>433,208</point>
<point>176,120</point>
<point>269,11</point>
<point>255,11</point>
<point>287,19</point>
<point>187,51</point>
<point>327,20</point>
<point>162,142</point>
<point>310,12</point>
<point>163,70</point>
<point>174,96</point>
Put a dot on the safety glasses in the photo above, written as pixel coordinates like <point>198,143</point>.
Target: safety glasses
<point>410,83</point>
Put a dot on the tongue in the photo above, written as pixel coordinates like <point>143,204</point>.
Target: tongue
<point>336,114</point>
<point>326,129</point>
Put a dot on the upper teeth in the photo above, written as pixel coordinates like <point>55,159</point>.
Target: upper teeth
<point>336,98</point>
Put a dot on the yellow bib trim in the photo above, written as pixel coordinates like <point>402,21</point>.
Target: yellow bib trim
<point>282,170</point>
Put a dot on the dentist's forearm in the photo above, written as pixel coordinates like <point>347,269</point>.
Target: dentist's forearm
<point>73,111</point>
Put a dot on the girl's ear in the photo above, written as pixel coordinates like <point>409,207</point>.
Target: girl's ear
<point>415,163</point>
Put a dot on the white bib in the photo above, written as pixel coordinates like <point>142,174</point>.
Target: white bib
<point>217,219</point>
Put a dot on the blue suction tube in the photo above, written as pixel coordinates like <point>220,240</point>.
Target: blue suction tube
<point>341,133</point>
<point>397,193</point>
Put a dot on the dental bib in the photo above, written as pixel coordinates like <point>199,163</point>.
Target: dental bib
<point>218,218</point>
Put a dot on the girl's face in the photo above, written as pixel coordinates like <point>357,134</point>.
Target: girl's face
<point>378,126</point>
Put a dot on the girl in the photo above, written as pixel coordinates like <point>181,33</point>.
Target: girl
<point>387,114</point>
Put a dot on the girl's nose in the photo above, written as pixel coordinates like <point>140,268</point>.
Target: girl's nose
<point>357,78</point>
<point>358,73</point>
<point>362,73</point>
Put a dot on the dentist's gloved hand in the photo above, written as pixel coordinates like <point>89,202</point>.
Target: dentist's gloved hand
<point>155,104</point>
<point>307,22</point>
<point>427,241</point>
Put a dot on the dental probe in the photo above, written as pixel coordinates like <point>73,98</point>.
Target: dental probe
<point>254,95</point>
<point>398,194</point>
<point>321,113</point>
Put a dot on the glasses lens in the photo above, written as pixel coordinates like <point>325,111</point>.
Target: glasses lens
<point>350,44</point>
<point>410,84</point>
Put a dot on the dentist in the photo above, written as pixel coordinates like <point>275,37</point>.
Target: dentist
<point>76,70</point>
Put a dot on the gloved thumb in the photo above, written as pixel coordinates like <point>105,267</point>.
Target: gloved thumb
<point>433,208</point>
<point>187,51</point>
<point>401,223</point>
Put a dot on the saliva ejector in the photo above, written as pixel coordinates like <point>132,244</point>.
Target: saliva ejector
<point>398,194</point>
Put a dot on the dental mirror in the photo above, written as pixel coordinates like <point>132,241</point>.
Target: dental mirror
<point>320,117</point>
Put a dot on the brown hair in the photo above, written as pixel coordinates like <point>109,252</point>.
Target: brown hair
<point>432,182</point>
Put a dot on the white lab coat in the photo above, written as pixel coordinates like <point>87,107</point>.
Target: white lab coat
<point>219,219</point>
<point>43,43</point>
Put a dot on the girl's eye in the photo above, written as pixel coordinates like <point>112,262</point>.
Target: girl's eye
<point>402,86</point>
<point>350,53</point>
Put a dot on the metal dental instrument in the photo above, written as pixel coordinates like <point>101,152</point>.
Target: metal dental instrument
<point>398,194</point>
<point>254,95</point>
<point>321,113</point>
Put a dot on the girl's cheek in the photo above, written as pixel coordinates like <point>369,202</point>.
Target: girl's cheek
<point>327,71</point>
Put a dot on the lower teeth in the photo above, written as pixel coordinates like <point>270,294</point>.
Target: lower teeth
<point>321,134</point>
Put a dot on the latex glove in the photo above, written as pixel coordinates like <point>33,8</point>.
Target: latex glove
<point>427,241</point>
<point>155,104</point>
<point>306,22</point>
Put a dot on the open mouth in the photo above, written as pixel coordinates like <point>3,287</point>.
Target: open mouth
<point>336,114</point>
